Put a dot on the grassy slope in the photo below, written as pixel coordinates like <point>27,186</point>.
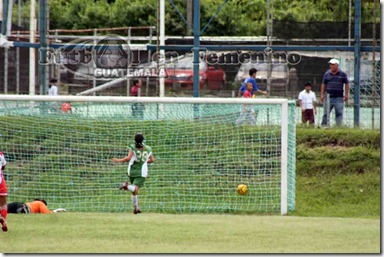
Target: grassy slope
<point>338,173</point>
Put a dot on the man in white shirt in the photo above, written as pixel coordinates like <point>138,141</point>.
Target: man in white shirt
<point>53,91</point>
<point>307,100</point>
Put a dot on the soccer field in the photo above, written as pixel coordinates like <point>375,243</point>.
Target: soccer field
<point>187,233</point>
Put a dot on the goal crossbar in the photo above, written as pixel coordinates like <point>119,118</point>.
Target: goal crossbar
<point>127,99</point>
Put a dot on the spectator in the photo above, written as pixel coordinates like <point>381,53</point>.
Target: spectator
<point>66,107</point>
<point>250,79</point>
<point>307,100</point>
<point>36,206</point>
<point>333,84</point>
<point>53,91</point>
<point>247,113</point>
<point>137,108</point>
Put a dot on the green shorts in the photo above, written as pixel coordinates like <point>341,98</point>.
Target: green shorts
<point>137,181</point>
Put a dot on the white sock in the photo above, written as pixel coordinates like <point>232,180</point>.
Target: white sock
<point>135,201</point>
<point>131,188</point>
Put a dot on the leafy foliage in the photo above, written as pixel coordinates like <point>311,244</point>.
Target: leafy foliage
<point>236,18</point>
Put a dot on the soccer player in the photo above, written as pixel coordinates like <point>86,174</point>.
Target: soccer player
<point>3,194</point>
<point>139,156</point>
<point>36,206</point>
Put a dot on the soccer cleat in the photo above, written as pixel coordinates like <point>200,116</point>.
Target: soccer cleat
<point>3,224</point>
<point>124,186</point>
<point>136,211</point>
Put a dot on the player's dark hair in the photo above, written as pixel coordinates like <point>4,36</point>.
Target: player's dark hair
<point>139,138</point>
<point>308,84</point>
<point>53,80</point>
<point>252,71</point>
<point>135,81</point>
<point>41,200</point>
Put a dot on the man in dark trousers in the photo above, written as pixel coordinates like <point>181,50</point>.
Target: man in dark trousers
<point>333,85</point>
<point>307,100</point>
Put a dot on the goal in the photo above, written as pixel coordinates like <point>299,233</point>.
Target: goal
<point>204,148</point>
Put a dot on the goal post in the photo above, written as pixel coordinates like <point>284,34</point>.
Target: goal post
<point>284,158</point>
<point>204,148</point>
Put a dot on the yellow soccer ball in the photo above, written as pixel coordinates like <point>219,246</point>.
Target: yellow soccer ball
<point>242,189</point>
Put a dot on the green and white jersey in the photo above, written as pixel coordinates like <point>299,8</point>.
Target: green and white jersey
<point>138,166</point>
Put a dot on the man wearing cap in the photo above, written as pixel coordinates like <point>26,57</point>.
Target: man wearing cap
<point>333,85</point>
<point>307,99</point>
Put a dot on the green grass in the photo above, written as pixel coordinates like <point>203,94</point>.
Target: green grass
<point>337,189</point>
<point>187,233</point>
<point>338,196</point>
<point>338,173</point>
<point>347,137</point>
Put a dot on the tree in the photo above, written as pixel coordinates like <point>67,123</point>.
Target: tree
<point>237,17</point>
